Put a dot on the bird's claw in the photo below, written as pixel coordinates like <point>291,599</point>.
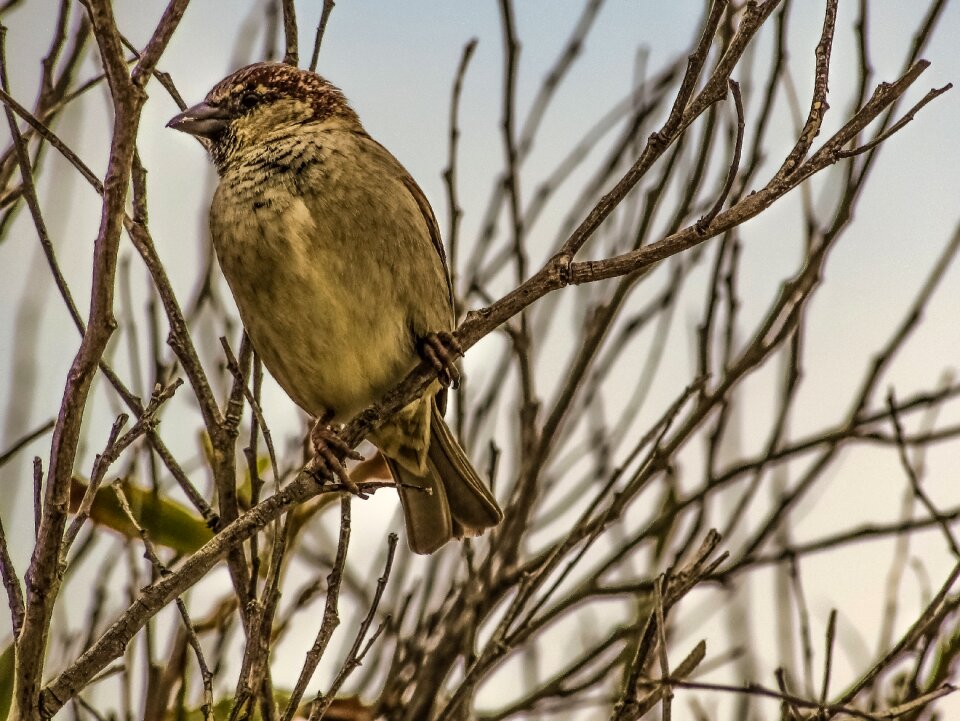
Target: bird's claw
<point>441,350</point>
<point>330,450</point>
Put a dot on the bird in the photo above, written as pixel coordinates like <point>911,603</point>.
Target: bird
<point>334,258</point>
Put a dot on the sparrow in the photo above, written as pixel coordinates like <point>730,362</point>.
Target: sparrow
<point>335,260</point>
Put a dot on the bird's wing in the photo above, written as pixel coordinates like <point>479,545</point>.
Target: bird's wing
<point>432,227</point>
<point>437,241</point>
<point>425,210</point>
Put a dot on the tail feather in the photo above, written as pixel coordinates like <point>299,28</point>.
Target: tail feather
<point>426,512</point>
<point>471,502</point>
<point>449,500</point>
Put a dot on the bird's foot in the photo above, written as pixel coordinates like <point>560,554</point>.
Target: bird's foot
<point>441,350</point>
<point>330,450</point>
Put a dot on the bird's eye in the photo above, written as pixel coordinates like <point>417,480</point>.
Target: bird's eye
<point>249,100</point>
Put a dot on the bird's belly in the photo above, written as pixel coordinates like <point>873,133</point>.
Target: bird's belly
<point>321,322</point>
<point>327,356</point>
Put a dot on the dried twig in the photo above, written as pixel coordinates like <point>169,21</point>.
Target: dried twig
<point>151,555</point>
<point>914,477</point>
<point>331,615</point>
<point>321,29</point>
<point>24,441</point>
<point>11,583</point>
<point>290,54</point>
<point>355,656</point>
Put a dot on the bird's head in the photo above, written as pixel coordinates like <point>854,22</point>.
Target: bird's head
<point>262,103</point>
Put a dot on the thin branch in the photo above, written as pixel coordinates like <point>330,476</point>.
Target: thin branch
<point>680,116</point>
<point>158,566</point>
<point>734,163</point>
<point>355,656</point>
<point>24,441</point>
<point>908,116</point>
<point>667,695</point>
<point>450,173</point>
<point>828,656</point>
<point>748,207</point>
<point>929,616</point>
<point>116,444</point>
<point>11,582</point>
<point>290,55</point>
<point>234,367</point>
<point>30,193</point>
<point>331,615</point>
<point>818,104</point>
<point>833,709</point>
<point>321,29</point>
<point>914,477</point>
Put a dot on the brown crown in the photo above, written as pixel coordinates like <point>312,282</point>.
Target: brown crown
<point>274,81</point>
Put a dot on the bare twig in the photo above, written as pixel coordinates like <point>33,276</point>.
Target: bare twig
<point>355,656</point>
<point>829,710</point>
<point>321,29</point>
<point>907,117</point>
<point>914,477</point>
<point>450,173</point>
<point>24,441</point>
<point>818,105</point>
<point>151,555</point>
<point>116,444</point>
<point>331,616</point>
<point>11,583</point>
<point>828,656</point>
<point>734,163</point>
<point>290,54</point>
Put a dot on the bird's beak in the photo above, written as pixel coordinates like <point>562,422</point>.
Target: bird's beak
<point>202,120</point>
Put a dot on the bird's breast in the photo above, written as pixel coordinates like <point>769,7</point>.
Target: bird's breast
<point>319,304</point>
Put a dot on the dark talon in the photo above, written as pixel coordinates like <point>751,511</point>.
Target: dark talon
<point>330,450</point>
<point>441,350</point>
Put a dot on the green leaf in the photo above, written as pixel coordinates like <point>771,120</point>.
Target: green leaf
<point>167,522</point>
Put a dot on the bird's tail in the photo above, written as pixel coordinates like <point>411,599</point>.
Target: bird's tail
<point>449,500</point>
